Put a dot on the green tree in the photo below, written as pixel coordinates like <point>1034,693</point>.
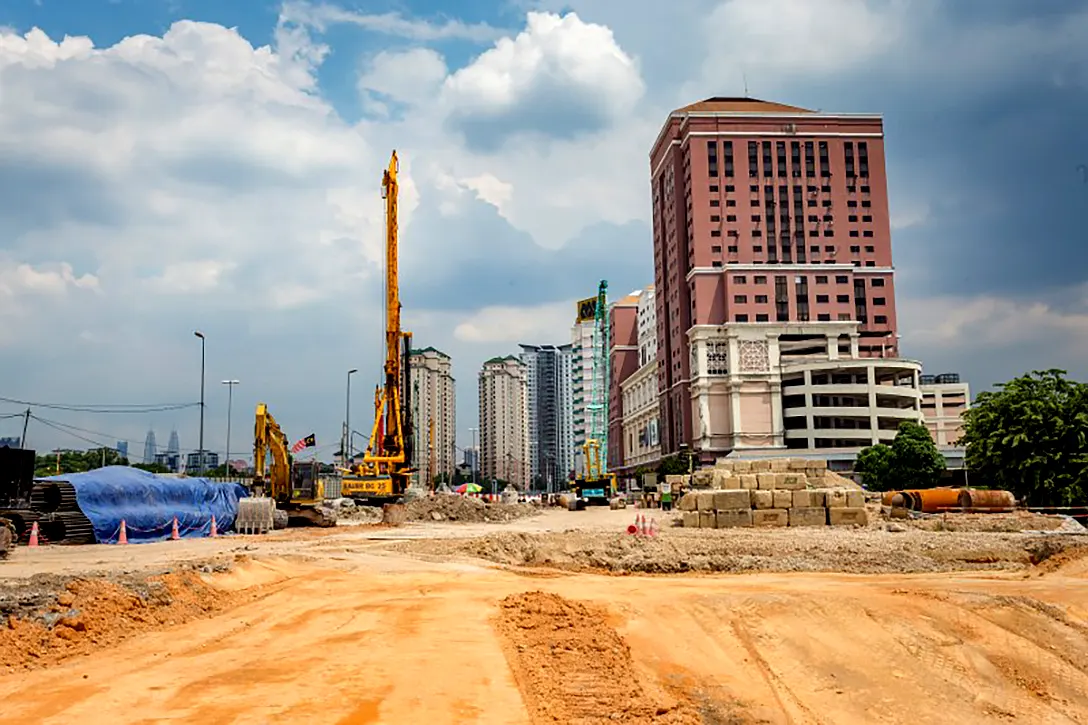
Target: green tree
<point>915,460</point>
<point>874,464</point>
<point>61,462</point>
<point>1030,436</point>
<point>672,465</point>
<point>151,467</point>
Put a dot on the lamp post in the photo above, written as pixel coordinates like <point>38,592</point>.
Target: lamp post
<point>475,452</point>
<point>230,399</point>
<point>200,453</point>
<point>347,422</point>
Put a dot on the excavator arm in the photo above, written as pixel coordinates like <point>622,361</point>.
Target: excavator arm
<point>269,437</point>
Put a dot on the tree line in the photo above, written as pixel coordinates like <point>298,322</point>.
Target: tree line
<point>1029,436</point>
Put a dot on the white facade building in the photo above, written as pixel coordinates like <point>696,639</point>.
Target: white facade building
<point>944,401</point>
<point>434,401</point>
<point>795,385</point>
<point>504,422</point>
<point>642,443</point>
<point>582,387</point>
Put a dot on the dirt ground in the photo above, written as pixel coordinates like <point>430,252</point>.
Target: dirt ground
<point>527,622</point>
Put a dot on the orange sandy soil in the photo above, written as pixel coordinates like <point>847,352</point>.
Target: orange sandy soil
<point>355,635</point>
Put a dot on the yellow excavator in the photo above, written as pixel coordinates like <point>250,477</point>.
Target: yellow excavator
<point>386,470</point>
<point>296,489</point>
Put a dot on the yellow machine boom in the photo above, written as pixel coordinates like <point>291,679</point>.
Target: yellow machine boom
<point>304,503</point>
<point>386,461</point>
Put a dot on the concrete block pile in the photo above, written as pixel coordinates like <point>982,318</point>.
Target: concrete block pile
<point>772,493</point>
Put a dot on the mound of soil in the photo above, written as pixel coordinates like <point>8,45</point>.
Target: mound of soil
<point>572,667</point>
<point>861,551</point>
<point>82,615</point>
<point>452,507</point>
<point>995,523</point>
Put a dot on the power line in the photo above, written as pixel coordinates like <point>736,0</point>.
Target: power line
<point>104,408</point>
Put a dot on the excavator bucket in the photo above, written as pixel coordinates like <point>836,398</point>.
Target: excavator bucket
<point>256,515</point>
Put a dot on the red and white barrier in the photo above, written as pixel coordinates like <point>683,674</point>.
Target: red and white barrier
<point>122,538</point>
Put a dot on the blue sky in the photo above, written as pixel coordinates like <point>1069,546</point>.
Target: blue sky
<point>180,174</point>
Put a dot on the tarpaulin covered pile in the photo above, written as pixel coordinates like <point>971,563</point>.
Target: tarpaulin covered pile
<point>148,503</point>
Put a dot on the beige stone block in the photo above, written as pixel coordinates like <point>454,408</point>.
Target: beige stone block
<point>808,517</point>
<point>708,520</point>
<point>802,499</point>
<point>761,465</point>
<point>763,500</point>
<point>724,464</point>
<point>676,478</point>
<point>703,478</point>
<point>780,464</point>
<point>749,480</point>
<point>767,481</point>
<point>855,499</point>
<point>820,463</point>
<point>848,516</point>
<point>733,518</point>
<point>770,517</point>
<point>742,466</point>
<point>790,481</point>
<point>705,500</point>
<point>734,499</point>
<point>718,477</point>
<point>783,499</point>
<point>817,498</point>
<point>836,498</point>
<point>691,519</point>
<point>798,464</point>
<point>689,502</point>
<point>816,473</point>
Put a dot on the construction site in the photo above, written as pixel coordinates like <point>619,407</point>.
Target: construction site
<point>777,591</point>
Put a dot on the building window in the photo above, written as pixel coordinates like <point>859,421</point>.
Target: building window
<point>716,249</point>
<point>761,299</point>
<point>740,299</point>
<point>822,299</point>
<point>740,279</point>
<point>741,318</point>
<point>715,232</point>
<point>820,278</point>
<point>842,298</point>
<point>879,301</point>
<point>880,320</point>
<point>868,233</point>
<point>841,279</point>
<point>855,249</point>
<point>877,282</point>
<point>823,317</point>
<point>853,232</point>
<point>762,318</point>
<point>869,249</point>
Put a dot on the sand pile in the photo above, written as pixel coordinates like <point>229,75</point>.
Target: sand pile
<point>572,667</point>
<point>452,507</point>
<point>88,614</point>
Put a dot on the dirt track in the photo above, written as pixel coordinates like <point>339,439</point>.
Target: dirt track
<point>322,628</point>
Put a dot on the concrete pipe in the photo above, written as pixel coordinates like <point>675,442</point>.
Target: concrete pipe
<point>973,498</point>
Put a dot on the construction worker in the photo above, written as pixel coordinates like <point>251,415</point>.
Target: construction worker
<point>666,496</point>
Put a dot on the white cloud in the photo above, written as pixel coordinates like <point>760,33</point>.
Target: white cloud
<point>413,76</point>
<point>517,324</point>
<point>322,15</point>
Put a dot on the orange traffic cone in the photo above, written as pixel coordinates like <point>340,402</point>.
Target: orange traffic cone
<point>214,531</point>
<point>122,538</point>
<point>174,530</point>
<point>33,543</point>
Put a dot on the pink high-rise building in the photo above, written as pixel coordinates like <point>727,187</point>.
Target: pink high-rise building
<point>772,249</point>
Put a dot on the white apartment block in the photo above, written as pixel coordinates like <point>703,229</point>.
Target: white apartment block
<point>795,385</point>
<point>551,422</point>
<point>504,422</point>
<point>433,400</point>
<point>944,401</point>
<point>582,387</point>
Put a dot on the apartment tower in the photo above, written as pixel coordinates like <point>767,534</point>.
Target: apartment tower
<point>772,243</point>
<point>623,359</point>
<point>551,420</point>
<point>504,421</point>
<point>434,408</point>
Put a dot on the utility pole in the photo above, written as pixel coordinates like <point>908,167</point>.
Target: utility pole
<point>200,454</point>
<point>230,400</point>
<point>347,446</point>
<point>26,422</point>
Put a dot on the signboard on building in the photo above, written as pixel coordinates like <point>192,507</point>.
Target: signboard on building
<point>587,309</point>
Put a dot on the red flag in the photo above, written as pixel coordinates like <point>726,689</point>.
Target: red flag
<point>308,442</point>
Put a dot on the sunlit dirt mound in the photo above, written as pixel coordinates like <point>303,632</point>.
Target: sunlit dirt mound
<point>89,614</point>
<point>572,667</point>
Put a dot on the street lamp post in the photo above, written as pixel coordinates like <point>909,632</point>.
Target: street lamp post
<point>475,453</point>
<point>200,453</point>
<point>348,443</point>
<point>230,400</point>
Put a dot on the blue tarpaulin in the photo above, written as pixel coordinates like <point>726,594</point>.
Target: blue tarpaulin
<point>148,503</point>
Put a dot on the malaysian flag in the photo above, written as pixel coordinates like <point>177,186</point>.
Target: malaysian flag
<point>308,442</point>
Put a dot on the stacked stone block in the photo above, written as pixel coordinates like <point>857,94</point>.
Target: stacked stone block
<point>772,493</point>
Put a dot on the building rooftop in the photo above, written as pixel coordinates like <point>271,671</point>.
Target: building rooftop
<point>729,104</point>
<point>500,359</point>
<point>424,350</point>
